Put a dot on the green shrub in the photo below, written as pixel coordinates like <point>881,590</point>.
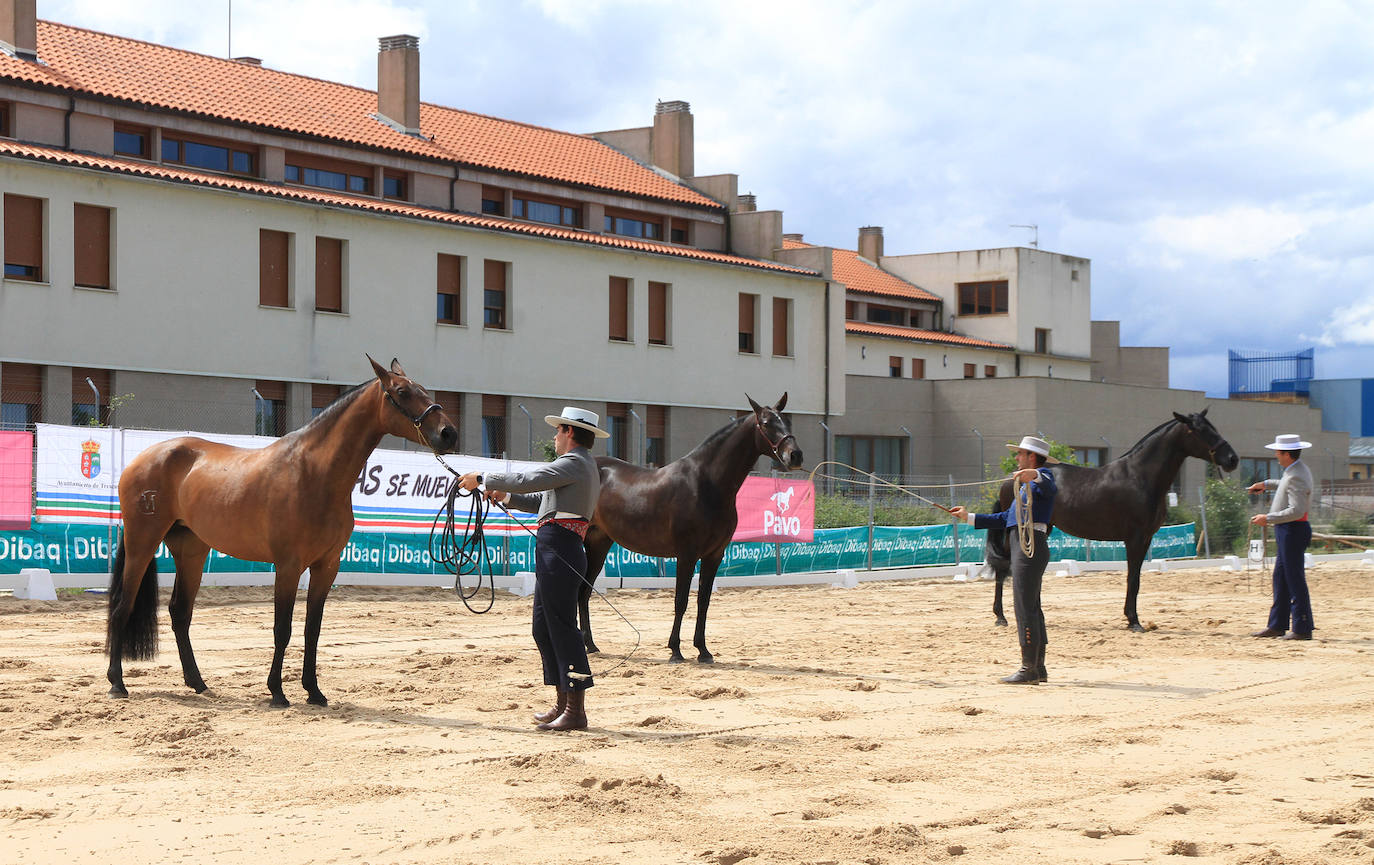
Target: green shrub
<point>1228,515</point>
<point>1350,524</point>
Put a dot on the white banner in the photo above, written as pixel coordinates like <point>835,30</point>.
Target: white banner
<point>79,469</point>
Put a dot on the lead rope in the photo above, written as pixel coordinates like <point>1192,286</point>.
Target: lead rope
<point>1025,528</point>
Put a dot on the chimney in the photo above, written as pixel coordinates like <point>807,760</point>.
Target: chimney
<point>398,82</point>
<point>249,61</point>
<point>746,202</point>
<point>795,236</point>
<point>871,243</point>
<point>19,28</point>
<point>672,140</point>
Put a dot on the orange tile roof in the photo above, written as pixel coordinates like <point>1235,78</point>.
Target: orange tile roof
<point>859,274</point>
<point>12,149</point>
<point>100,65</point>
<point>916,334</point>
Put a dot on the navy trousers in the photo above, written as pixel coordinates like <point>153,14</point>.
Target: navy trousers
<point>1291,601</point>
<point>560,563</point>
<point>1027,574</point>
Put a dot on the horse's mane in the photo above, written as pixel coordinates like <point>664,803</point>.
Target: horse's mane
<point>1147,437</point>
<point>337,405</point>
<point>720,434</point>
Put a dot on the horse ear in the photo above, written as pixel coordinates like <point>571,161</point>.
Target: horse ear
<point>782,402</point>
<point>755,406</point>
<point>396,368</point>
<point>377,368</point>
<point>1181,418</point>
<point>1203,413</point>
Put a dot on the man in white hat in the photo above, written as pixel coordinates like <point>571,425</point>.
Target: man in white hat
<point>1027,572</point>
<point>1292,533</point>
<point>568,488</point>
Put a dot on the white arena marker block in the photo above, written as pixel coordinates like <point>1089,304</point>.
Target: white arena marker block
<point>37,585</point>
<point>1368,558</point>
<point>526,587</point>
<point>1070,569</point>
<point>1232,563</point>
<point>848,579</point>
<point>1157,565</point>
<point>1307,560</point>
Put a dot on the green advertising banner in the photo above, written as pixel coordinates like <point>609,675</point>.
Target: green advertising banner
<point>73,548</point>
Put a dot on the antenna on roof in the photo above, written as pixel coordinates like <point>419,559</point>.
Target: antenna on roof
<point>1035,237</point>
<point>230,30</point>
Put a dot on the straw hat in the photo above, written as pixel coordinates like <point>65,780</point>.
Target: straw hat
<point>1288,442</point>
<point>1035,446</point>
<point>578,417</point>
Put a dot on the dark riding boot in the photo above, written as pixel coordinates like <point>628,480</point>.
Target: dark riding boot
<point>1040,664</point>
<point>558,707</point>
<point>574,715</point>
<point>1029,673</point>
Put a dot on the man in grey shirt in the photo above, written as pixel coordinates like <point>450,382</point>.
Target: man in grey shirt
<point>1292,533</point>
<point>567,491</point>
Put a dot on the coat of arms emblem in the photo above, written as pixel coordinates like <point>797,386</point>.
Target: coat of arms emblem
<point>90,458</point>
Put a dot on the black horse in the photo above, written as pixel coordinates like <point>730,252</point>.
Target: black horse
<point>685,510</point>
<point>1125,500</point>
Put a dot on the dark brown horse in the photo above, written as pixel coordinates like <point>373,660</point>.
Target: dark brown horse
<point>289,503</point>
<point>685,510</point>
<point>1125,500</point>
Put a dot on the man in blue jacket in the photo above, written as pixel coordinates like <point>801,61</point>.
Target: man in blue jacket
<point>1033,504</point>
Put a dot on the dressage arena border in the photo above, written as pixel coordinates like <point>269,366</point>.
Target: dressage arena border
<point>522,583</point>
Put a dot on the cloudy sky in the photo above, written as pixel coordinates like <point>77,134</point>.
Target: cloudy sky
<point>1212,159</point>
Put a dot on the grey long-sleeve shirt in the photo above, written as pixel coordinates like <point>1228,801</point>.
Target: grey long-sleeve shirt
<point>568,485</point>
<point>1293,495</point>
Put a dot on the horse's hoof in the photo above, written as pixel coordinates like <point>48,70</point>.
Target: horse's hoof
<point>1001,623</point>
<point>706,658</point>
<point>591,648</point>
<point>198,687</point>
<point>317,700</point>
<point>1135,626</point>
<point>118,693</point>
<point>676,659</point>
<point>279,701</point>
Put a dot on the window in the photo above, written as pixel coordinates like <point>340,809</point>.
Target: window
<point>658,313</point>
<point>886,315</point>
<point>851,310</point>
<point>394,186</point>
<point>881,455</point>
<point>782,327</point>
<point>274,268</point>
<point>548,212</point>
<point>1252,470</point>
<point>23,238</point>
<point>91,245</point>
<point>633,225</point>
<point>451,403</point>
<point>450,289</point>
<point>329,274</point>
<point>5,120</point>
<point>656,435</point>
<point>620,309</point>
<point>970,370</point>
<point>618,425</point>
<point>321,395</point>
<point>1090,456</point>
<point>224,157</point>
<point>332,174</point>
<point>983,298</point>
<point>1042,340</point>
<point>495,276</point>
<point>748,313</point>
<point>989,371</point>
<point>271,408</point>
<point>894,366</point>
<point>677,232</point>
<point>493,425</point>
<point>133,141</point>
<point>918,367</point>
<point>22,388</point>
<point>493,201</point>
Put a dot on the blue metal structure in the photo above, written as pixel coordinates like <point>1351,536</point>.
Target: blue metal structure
<point>1262,373</point>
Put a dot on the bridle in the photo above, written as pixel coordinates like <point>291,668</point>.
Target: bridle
<point>417,419</point>
<point>774,445</point>
<point>1210,446</point>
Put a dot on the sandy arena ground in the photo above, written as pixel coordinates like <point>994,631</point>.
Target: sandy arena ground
<point>839,725</point>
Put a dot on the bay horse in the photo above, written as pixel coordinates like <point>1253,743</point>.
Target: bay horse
<point>1125,500</point>
<point>684,510</point>
<point>289,503</point>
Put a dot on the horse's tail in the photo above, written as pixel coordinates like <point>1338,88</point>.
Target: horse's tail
<point>996,554</point>
<point>137,638</point>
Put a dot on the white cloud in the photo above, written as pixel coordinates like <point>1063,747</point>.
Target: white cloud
<point>1353,324</point>
<point>1237,233</point>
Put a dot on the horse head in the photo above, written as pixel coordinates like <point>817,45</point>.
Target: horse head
<point>774,435</point>
<point>1204,442</point>
<point>411,414</point>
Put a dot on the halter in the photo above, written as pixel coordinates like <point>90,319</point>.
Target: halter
<point>1211,447</point>
<point>417,419</point>
<point>774,445</point>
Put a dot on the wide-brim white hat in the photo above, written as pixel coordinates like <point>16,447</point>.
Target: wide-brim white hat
<point>1288,442</point>
<point>578,417</point>
<point>1035,446</point>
